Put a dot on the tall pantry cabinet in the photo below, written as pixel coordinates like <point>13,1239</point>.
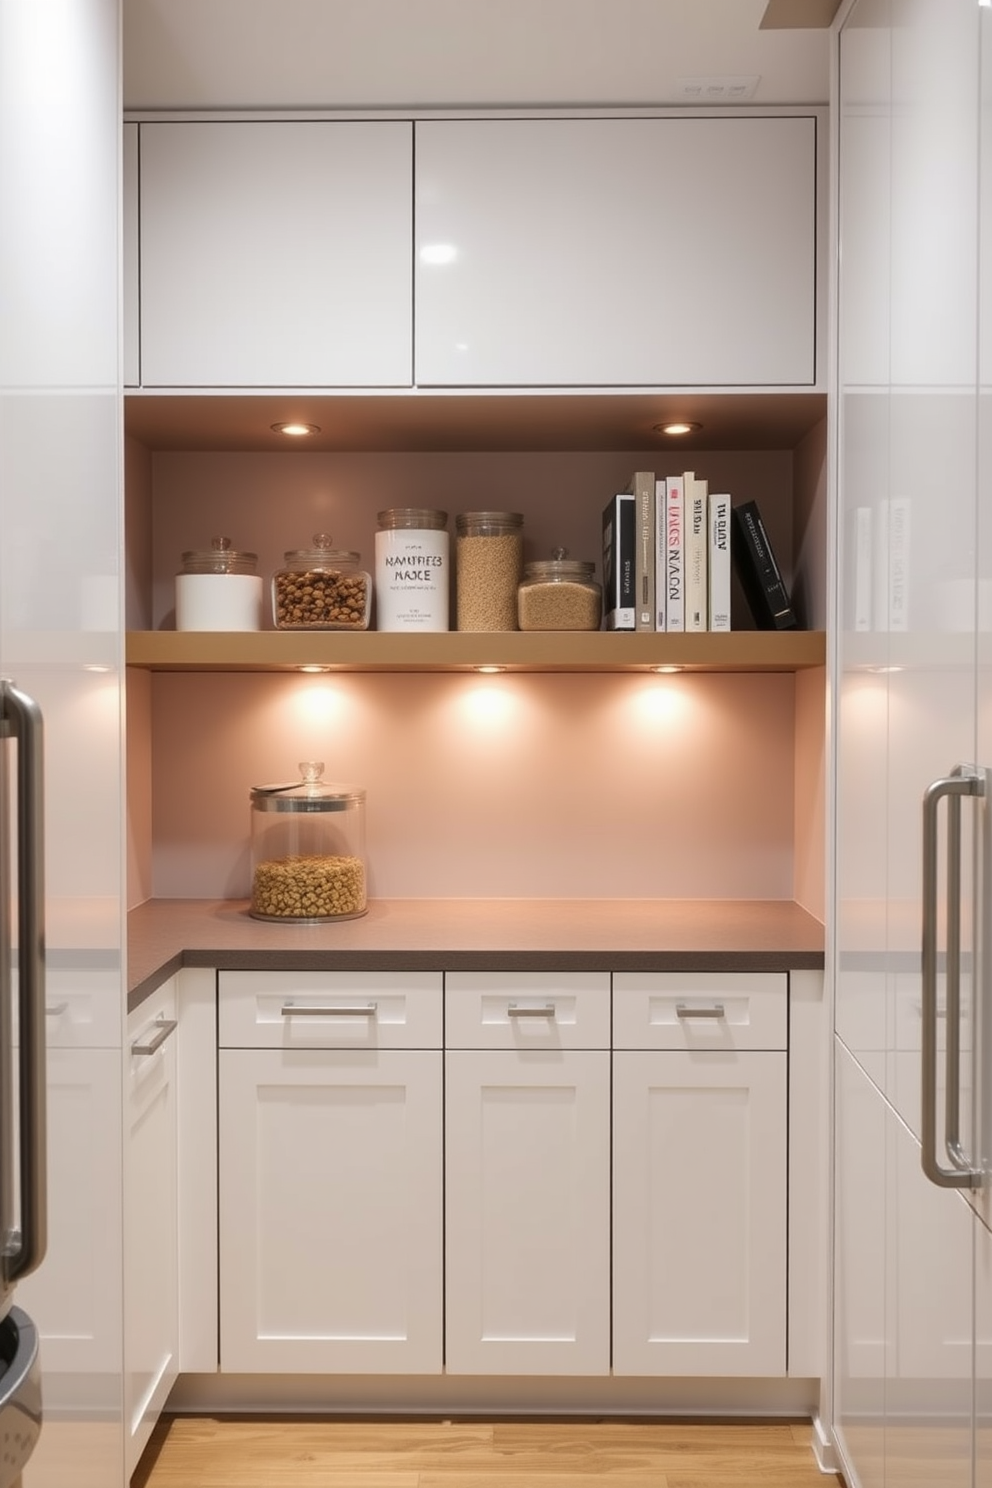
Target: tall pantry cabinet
<point>60,641</point>
<point>912,1299</point>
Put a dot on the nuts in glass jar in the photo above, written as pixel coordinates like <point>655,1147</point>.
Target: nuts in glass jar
<point>310,887</point>
<point>321,588</point>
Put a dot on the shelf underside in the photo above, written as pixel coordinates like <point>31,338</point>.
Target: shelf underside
<point>535,651</point>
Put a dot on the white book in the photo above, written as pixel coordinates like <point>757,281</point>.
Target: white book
<point>719,558</point>
<point>674,566</point>
<point>660,499</point>
<point>695,493</point>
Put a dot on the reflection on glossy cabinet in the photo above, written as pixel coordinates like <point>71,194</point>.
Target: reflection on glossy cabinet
<point>151,1217</point>
<point>276,253</point>
<point>330,1210</point>
<point>730,298</point>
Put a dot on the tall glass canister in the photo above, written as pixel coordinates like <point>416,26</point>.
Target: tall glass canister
<point>489,561</point>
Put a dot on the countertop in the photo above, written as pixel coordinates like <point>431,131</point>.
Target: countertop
<point>478,935</point>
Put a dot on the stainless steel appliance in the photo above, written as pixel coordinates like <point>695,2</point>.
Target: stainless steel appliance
<point>22,1069</point>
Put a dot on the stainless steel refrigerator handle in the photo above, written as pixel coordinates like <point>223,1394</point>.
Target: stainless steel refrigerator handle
<point>21,719</point>
<point>952,788</point>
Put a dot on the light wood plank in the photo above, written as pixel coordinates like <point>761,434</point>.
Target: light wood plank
<point>202,1452</point>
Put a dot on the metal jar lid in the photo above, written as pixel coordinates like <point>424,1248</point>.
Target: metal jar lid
<point>309,793</point>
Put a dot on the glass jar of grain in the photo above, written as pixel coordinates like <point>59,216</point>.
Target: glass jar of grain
<point>308,850</point>
<point>559,593</point>
<point>321,588</point>
<point>489,549</point>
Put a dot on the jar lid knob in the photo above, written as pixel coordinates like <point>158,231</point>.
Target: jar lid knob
<point>322,540</point>
<point>220,544</point>
<point>311,770</point>
<point>559,553</point>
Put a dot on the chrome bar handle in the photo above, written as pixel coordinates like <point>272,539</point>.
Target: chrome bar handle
<point>145,1045</point>
<point>951,788</point>
<point>517,1010</point>
<point>327,1010</point>
<point>20,719</point>
<point>683,1010</point>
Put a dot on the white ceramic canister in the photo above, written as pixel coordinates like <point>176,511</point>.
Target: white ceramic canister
<point>219,589</point>
<point>411,570</point>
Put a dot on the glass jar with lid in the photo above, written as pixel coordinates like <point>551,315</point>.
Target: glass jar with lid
<point>321,588</point>
<point>308,850</point>
<point>411,569</point>
<point>559,593</point>
<point>219,588</point>
<point>489,564</point>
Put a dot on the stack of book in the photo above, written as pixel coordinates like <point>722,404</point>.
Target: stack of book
<point>668,546</point>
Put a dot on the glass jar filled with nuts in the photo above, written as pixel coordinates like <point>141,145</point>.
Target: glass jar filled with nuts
<point>308,850</point>
<point>321,588</point>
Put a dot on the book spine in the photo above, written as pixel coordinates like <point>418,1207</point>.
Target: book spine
<point>719,558</point>
<point>642,489</point>
<point>660,551</point>
<point>619,541</point>
<point>759,573</point>
<point>674,554</point>
<point>696,553</point>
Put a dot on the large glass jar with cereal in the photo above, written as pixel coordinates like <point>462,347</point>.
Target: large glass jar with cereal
<point>308,850</point>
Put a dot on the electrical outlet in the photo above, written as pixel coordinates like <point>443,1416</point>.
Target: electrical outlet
<point>716,89</point>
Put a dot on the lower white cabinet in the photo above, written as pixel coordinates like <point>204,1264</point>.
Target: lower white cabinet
<point>699,1175</point>
<point>151,1217</point>
<point>527,1161</point>
<point>330,1174</point>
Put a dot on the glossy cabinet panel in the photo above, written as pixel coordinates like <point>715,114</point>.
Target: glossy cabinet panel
<point>276,253</point>
<point>616,251</point>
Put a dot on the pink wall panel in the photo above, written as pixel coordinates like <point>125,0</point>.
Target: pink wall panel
<point>516,785</point>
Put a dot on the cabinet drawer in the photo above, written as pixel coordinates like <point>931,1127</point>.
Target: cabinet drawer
<point>527,1010</point>
<point>700,1010</point>
<point>330,1009</point>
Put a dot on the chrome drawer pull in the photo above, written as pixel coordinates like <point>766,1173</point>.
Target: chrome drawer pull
<point>514,1010</point>
<point>683,1010</point>
<point>322,1010</point>
<point>163,1027</point>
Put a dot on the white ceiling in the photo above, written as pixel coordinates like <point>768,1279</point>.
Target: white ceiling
<point>425,54</point>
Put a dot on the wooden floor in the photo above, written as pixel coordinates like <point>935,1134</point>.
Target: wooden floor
<point>198,1452</point>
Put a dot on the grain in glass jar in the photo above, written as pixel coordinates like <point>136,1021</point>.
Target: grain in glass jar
<point>559,593</point>
<point>308,850</point>
<point>321,588</point>
<point>218,589</point>
<point>489,566</point>
<point>411,570</point>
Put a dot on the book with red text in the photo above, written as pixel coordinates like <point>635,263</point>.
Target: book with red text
<point>697,545</point>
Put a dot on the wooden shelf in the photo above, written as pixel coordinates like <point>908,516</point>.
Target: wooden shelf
<point>544,651</point>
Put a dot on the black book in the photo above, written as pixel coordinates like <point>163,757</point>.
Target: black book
<point>619,550</point>
<point>760,576</point>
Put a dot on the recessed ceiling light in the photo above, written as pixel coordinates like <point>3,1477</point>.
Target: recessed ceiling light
<point>489,670</point>
<point>664,670</point>
<point>677,426</point>
<point>295,430</point>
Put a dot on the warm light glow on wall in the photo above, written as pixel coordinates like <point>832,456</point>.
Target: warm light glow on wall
<point>319,703</point>
<point>488,703</point>
<point>661,701</point>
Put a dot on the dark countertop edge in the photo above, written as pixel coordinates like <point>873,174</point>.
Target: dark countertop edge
<point>324,960</point>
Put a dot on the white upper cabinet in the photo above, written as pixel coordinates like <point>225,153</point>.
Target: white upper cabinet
<point>275,254</point>
<point>598,252</point>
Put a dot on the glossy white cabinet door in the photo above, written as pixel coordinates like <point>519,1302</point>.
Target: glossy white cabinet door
<point>699,1213</point>
<point>330,1211</point>
<point>616,251</point>
<point>276,254</point>
<point>151,1217</point>
<point>527,1230</point>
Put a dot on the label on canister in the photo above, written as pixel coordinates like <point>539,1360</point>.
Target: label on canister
<point>411,579</point>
